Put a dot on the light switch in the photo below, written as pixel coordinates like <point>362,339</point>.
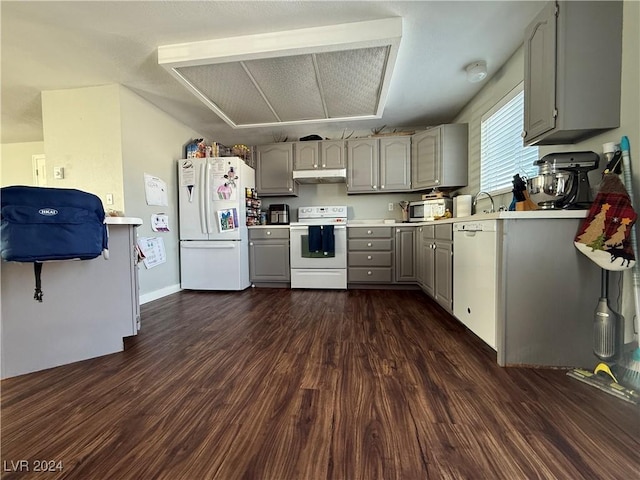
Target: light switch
<point>58,173</point>
<point>109,198</point>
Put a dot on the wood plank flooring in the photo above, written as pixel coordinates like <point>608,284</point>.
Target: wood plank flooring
<point>279,384</point>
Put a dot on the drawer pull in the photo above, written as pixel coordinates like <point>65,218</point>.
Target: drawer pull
<point>368,257</point>
<point>369,232</point>
<point>369,272</point>
<point>268,232</point>
<point>369,244</point>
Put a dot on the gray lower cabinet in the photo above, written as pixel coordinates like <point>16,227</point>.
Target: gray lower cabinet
<point>443,266</point>
<point>269,255</point>
<point>435,263</point>
<point>425,272</point>
<point>572,76</point>
<point>439,157</point>
<point>405,268</point>
<point>379,165</point>
<point>274,170</point>
<point>370,255</point>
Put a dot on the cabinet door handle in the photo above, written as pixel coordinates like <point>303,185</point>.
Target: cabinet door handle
<point>324,165</point>
<point>290,189</point>
<point>523,134</point>
<point>382,187</point>
<point>251,244</point>
<point>374,187</point>
<point>315,165</point>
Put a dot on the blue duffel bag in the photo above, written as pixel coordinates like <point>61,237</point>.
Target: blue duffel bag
<point>41,224</point>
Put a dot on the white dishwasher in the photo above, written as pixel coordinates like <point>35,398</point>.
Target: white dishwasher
<point>475,247</point>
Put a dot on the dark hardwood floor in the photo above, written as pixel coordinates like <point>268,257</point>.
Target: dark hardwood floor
<point>301,384</point>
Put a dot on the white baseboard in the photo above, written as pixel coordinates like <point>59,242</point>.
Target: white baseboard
<point>156,294</point>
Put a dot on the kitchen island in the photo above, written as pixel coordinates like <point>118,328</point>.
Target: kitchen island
<point>88,307</point>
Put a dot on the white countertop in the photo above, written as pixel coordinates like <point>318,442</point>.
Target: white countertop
<point>268,226</point>
<point>507,215</point>
<point>123,221</point>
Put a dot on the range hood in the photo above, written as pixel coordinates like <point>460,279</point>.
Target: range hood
<point>331,175</point>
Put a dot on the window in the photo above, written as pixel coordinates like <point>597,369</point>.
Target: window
<point>502,154</point>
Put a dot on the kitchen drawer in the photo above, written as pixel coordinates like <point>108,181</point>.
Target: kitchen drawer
<point>369,232</point>
<point>444,232</point>
<point>268,233</point>
<point>365,259</point>
<point>373,244</point>
<point>370,275</point>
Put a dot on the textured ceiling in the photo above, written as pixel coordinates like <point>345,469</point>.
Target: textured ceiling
<point>56,45</point>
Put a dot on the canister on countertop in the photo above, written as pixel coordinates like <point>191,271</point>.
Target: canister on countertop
<point>462,206</point>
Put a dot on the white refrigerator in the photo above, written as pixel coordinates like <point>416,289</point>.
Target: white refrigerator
<point>214,253</point>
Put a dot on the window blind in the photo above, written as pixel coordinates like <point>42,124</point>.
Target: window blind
<point>502,153</point>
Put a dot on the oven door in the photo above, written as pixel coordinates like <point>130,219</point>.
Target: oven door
<point>300,239</point>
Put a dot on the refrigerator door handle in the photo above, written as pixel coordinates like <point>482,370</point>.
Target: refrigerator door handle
<point>201,202</point>
<point>210,246</point>
<point>207,203</point>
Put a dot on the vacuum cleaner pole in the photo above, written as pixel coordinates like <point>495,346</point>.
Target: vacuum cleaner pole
<point>606,324</point>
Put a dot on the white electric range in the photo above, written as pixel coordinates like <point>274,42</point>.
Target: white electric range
<point>324,265</point>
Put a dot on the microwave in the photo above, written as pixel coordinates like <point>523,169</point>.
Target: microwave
<point>427,210</point>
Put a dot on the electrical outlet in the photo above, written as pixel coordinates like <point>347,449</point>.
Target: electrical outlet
<point>391,207</point>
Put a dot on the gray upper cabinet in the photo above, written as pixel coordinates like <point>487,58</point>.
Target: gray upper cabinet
<point>379,165</point>
<point>362,170</point>
<point>333,154</point>
<point>274,170</point>
<point>306,155</point>
<point>439,157</point>
<point>314,155</point>
<point>573,67</point>
<point>395,164</point>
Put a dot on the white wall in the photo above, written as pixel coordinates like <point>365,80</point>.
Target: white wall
<point>512,73</point>
<point>16,161</point>
<point>82,134</point>
<point>152,142</point>
<point>361,207</point>
<point>107,138</point>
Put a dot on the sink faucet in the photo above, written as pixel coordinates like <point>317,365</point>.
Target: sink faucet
<point>475,202</point>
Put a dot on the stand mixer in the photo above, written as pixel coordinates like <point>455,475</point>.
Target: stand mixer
<point>562,181</point>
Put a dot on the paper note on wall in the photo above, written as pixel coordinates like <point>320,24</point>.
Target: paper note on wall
<point>159,222</point>
<point>153,251</point>
<point>155,191</point>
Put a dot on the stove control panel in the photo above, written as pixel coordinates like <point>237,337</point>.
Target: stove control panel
<point>339,211</point>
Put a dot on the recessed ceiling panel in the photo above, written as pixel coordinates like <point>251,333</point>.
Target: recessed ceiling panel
<point>290,85</point>
<point>352,80</point>
<point>327,73</point>
<point>229,88</point>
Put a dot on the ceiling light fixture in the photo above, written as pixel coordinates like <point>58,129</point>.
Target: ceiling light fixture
<point>477,71</point>
<point>310,75</point>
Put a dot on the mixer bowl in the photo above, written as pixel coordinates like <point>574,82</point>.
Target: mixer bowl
<point>549,189</point>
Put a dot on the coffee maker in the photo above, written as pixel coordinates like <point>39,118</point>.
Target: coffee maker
<point>562,181</point>
<point>278,214</point>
